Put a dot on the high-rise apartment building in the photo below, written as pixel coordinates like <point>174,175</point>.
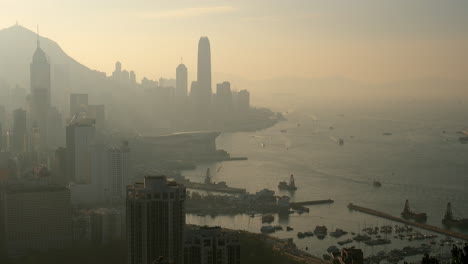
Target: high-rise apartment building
<point>211,245</point>
<point>155,220</point>
<point>119,171</point>
<point>35,218</point>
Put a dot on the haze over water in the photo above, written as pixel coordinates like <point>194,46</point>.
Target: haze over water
<point>418,162</point>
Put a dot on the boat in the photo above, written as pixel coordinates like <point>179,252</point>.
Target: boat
<point>320,232</point>
<point>291,186</point>
<point>268,218</point>
<point>386,134</point>
<point>347,241</point>
<point>377,184</point>
<point>450,220</point>
<point>408,214</point>
<point>341,142</point>
<point>283,131</point>
<point>267,229</point>
<point>338,233</point>
<point>463,140</point>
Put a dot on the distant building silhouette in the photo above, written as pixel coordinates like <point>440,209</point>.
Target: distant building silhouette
<point>243,101</point>
<point>118,71</point>
<point>80,139</point>
<point>155,220</point>
<point>40,92</point>
<point>78,103</point>
<point>119,171</point>
<point>98,113</point>
<point>20,131</point>
<point>223,99</point>
<point>202,95</point>
<point>132,78</point>
<point>181,82</point>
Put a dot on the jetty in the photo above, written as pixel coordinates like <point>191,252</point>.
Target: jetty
<point>327,201</point>
<point>407,222</point>
<point>215,187</point>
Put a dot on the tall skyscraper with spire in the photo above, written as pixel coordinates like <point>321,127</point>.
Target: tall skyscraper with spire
<point>40,92</point>
<point>204,74</point>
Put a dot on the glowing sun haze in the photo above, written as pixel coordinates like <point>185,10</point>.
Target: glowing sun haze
<point>365,40</point>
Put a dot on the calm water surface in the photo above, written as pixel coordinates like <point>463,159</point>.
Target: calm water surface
<point>422,160</point>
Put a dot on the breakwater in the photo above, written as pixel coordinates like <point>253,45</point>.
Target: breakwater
<point>407,222</point>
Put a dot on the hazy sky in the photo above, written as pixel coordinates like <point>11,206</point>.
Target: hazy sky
<point>369,40</point>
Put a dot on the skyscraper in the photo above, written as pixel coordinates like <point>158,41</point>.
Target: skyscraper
<point>223,99</point>
<point>40,92</point>
<point>155,220</point>
<point>35,217</point>
<point>78,103</point>
<point>204,73</point>
<point>119,171</point>
<point>181,82</point>
<point>19,131</point>
<point>80,142</point>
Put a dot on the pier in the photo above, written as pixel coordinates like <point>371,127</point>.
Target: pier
<point>312,202</point>
<point>407,222</point>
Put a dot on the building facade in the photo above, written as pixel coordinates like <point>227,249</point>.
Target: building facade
<point>211,245</point>
<point>35,217</point>
<point>155,220</point>
<point>119,171</point>
<point>80,140</point>
<point>40,93</point>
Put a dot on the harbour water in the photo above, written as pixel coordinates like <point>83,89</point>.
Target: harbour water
<point>415,156</point>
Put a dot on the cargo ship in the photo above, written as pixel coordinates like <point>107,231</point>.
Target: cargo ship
<point>450,220</point>
<point>291,186</point>
<point>408,214</point>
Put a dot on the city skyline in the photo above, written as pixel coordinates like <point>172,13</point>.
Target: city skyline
<point>360,41</point>
<point>138,165</point>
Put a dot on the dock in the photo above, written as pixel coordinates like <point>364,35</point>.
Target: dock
<point>312,202</point>
<point>213,187</point>
<point>407,222</point>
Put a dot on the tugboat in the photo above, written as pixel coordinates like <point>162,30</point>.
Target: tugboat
<point>450,220</point>
<point>289,187</point>
<point>407,213</point>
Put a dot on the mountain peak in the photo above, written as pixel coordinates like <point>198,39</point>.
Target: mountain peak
<point>17,46</point>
